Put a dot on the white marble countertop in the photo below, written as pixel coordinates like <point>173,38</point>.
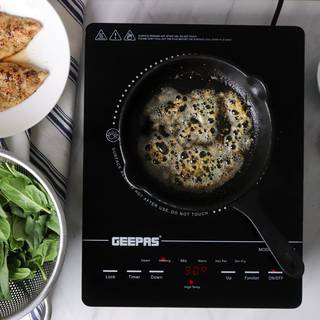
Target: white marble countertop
<point>66,297</point>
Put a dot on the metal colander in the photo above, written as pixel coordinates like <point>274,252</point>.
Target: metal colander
<point>28,294</point>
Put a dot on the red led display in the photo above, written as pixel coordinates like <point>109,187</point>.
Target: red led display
<point>195,270</point>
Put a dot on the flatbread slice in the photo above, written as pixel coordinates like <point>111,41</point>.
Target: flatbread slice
<point>16,33</point>
<point>17,83</point>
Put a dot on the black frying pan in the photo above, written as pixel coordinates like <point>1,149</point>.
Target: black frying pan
<point>197,72</point>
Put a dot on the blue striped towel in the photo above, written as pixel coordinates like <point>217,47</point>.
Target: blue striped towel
<point>48,144</point>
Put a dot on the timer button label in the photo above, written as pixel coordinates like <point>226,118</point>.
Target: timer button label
<point>134,274</point>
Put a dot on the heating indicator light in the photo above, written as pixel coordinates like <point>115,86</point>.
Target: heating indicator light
<point>164,259</point>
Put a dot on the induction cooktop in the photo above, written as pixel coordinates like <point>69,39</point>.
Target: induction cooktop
<point>140,252</point>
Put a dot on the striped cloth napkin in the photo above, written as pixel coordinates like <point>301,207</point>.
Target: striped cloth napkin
<point>48,144</point>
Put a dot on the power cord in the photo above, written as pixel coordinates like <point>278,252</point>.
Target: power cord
<point>277,13</point>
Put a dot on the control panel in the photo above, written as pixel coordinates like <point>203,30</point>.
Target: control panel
<point>185,274</point>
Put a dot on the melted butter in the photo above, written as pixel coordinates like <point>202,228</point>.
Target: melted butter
<point>197,141</point>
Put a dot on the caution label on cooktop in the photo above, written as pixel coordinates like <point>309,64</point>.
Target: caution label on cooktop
<point>178,37</point>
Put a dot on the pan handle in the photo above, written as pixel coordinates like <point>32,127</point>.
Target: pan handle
<point>288,259</point>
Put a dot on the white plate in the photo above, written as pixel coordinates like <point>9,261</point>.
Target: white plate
<point>49,50</point>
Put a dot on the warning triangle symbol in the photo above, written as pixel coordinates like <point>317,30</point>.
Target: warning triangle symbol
<point>115,36</point>
<point>101,36</point>
<point>129,36</point>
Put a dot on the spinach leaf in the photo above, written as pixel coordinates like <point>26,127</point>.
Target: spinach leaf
<point>2,212</point>
<point>53,223</point>
<point>14,244</point>
<point>18,227</point>
<point>48,250</point>
<point>16,190</point>
<point>22,257</point>
<point>14,172</point>
<point>19,274</point>
<point>4,272</point>
<point>5,229</point>
<point>4,171</point>
<point>36,264</point>
<point>52,236</point>
<point>35,230</point>
<point>50,202</point>
<point>51,250</point>
<point>16,210</point>
<point>38,196</point>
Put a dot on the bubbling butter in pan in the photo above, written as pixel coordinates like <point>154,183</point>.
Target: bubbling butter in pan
<point>196,141</point>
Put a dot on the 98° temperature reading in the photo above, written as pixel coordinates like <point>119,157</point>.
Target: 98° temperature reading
<point>195,270</point>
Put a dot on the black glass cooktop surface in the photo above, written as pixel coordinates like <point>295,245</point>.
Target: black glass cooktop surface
<point>139,252</point>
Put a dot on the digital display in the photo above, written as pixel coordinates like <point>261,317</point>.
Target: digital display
<point>195,270</point>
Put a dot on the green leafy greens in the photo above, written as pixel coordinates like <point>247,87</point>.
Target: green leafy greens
<point>29,228</point>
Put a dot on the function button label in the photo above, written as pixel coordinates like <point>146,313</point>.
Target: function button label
<point>251,276</point>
